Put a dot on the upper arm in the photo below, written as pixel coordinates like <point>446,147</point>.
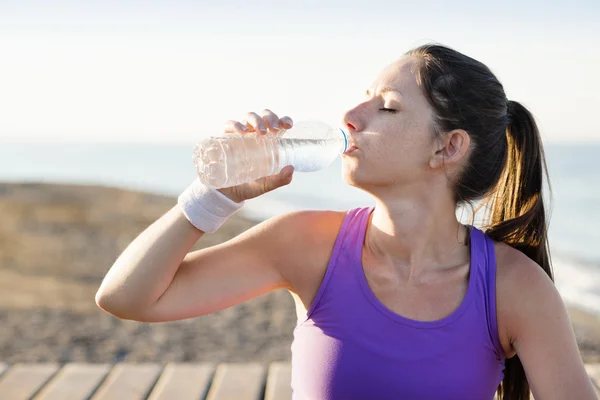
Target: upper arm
<point>540,330</point>
<point>257,261</point>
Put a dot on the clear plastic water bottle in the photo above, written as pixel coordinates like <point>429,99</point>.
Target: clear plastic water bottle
<point>234,159</point>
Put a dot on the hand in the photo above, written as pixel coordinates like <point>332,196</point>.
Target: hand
<point>261,125</point>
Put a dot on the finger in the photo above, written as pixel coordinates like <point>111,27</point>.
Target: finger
<point>284,177</point>
<point>287,172</point>
<point>286,122</point>
<point>255,123</point>
<point>232,126</point>
<point>271,119</point>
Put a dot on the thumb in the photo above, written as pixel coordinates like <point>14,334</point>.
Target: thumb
<point>284,177</point>
<point>286,174</point>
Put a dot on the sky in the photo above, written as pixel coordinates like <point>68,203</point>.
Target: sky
<point>175,71</point>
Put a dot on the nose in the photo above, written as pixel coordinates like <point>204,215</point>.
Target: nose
<point>350,126</point>
<point>353,119</point>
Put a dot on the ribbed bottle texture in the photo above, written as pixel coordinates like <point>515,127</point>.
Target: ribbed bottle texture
<point>236,159</point>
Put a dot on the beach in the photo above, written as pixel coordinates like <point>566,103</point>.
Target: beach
<point>57,241</point>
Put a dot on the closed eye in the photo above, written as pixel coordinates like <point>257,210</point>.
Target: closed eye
<point>390,110</point>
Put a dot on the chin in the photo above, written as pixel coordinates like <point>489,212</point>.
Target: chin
<point>349,172</point>
<point>355,177</point>
<point>367,181</point>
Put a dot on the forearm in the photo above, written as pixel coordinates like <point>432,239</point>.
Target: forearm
<point>145,269</point>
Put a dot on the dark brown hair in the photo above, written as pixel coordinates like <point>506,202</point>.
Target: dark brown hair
<point>506,165</point>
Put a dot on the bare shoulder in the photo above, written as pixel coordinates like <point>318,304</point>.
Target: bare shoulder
<point>523,289</point>
<point>516,271</point>
<point>534,324</point>
<point>308,237</point>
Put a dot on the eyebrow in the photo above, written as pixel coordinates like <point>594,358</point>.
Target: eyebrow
<point>384,90</point>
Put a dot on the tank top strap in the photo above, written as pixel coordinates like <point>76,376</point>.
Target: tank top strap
<point>348,246</point>
<point>354,243</point>
<point>485,274</point>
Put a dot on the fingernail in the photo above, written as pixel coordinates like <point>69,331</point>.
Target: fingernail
<point>245,128</point>
<point>276,125</point>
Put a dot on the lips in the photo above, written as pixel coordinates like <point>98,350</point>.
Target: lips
<point>351,149</point>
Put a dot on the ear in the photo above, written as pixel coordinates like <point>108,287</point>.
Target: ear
<point>450,148</point>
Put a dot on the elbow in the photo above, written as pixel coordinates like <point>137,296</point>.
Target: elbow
<point>106,303</point>
<point>102,300</point>
<point>121,309</point>
<point>111,305</point>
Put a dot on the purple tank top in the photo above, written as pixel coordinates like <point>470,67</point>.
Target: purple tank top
<point>351,346</point>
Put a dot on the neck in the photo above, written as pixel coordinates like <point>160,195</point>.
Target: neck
<point>417,230</point>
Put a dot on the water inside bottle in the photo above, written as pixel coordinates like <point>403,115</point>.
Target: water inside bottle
<point>309,155</point>
<point>223,162</point>
<point>210,163</point>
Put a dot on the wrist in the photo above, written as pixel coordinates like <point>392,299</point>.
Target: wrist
<point>207,208</point>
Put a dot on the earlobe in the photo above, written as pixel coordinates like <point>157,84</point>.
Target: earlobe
<point>432,162</point>
<point>436,158</point>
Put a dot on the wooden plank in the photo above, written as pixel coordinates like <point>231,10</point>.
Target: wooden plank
<point>593,371</point>
<point>183,381</point>
<point>22,381</point>
<point>279,382</point>
<point>134,381</point>
<point>238,381</point>
<point>75,381</point>
<point>128,381</point>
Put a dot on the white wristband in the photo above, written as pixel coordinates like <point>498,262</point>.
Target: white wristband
<point>206,208</point>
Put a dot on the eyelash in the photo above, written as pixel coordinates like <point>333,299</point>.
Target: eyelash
<point>388,110</point>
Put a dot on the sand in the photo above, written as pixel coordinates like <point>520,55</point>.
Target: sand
<point>58,241</point>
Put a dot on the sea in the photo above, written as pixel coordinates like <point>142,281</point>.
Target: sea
<point>167,169</point>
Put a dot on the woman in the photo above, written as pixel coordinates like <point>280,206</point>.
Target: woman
<point>399,301</point>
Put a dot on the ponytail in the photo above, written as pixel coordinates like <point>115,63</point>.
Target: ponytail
<point>518,218</point>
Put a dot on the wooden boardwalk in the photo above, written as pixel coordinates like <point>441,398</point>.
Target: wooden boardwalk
<point>179,381</point>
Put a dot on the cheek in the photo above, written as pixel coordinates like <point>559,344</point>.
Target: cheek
<point>413,142</point>
<point>402,155</point>
<point>402,151</point>
<point>414,128</point>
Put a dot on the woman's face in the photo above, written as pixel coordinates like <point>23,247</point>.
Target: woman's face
<point>392,130</point>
